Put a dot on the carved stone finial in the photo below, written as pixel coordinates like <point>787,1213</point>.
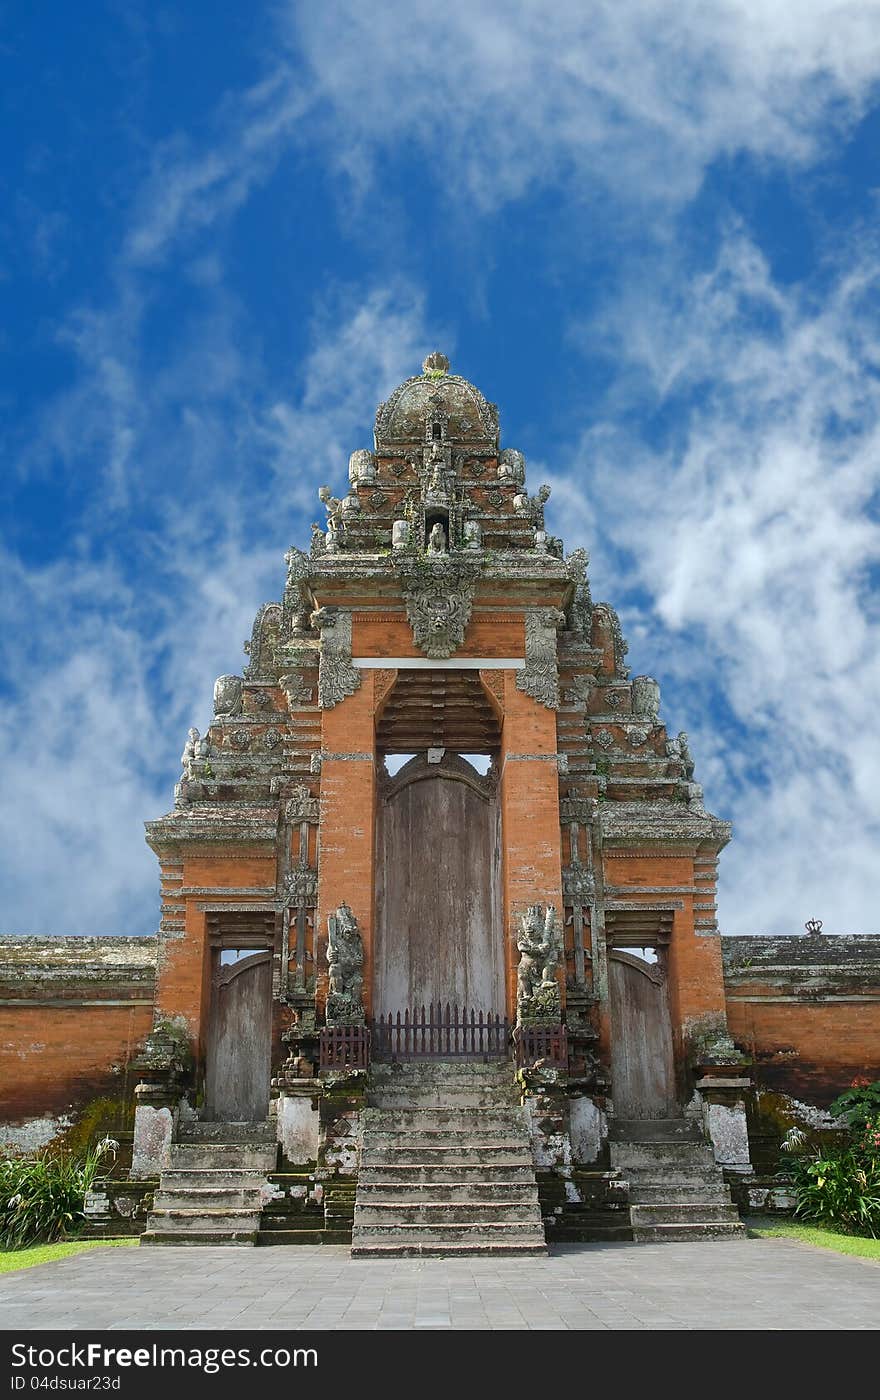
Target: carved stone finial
<point>345,960</point>
<point>435,364</point>
<point>227,695</point>
<point>645,698</point>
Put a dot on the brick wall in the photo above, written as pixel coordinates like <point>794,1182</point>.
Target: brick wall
<point>807,1009</point>
<point>72,1014</point>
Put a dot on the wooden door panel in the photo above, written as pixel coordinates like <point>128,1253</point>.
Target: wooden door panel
<point>642,1062</point>
<point>438,922</point>
<point>238,1069</point>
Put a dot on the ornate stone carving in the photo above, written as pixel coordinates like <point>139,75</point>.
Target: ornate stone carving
<point>604,738</point>
<point>272,738</point>
<point>337,677</point>
<point>605,617</point>
<point>645,698</point>
<point>377,499</point>
<point>581,608</point>
<point>300,886</point>
<point>579,692</point>
<point>540,947</point>
<point>472,534</point>
<point>345,960</point>
<point>540,677</point>
<point>263,643</point>
<point>227,695</point>
<point>297,689</point>
<point>638,734</point>
<point>495,498</point>
<point>241,739</point>
<point>301,806</point>
<point>438,591</point>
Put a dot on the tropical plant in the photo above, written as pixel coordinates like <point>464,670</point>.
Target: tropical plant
<point>841,1187</point>
<point>839,1183</point>
<point>42,1197</point>
<point>859,1105</point>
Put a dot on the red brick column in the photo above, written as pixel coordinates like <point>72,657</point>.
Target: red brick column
<point>529,795</point>
<point>346,867</point>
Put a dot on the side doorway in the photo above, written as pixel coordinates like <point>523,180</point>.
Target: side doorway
<point>238,1064</point>
<point>642,1057</point>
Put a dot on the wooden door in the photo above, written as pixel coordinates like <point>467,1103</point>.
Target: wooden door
<point>642,1062</point>
<point>239,1046</point>
<point>438,935</point>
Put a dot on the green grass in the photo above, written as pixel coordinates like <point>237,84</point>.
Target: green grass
<point>11,1259</point>
<point>820,1235</point>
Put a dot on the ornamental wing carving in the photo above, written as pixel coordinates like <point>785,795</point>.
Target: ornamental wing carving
<point>337,677</point>
<point>540,676</point>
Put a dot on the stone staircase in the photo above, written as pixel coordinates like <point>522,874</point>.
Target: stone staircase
<point>212,1191</point>
<point>446,1165</point>
<point>676,1189</point>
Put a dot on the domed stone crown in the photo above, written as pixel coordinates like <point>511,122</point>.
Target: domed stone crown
<point>436,406</point>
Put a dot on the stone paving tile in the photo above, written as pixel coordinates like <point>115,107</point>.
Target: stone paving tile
<point>738,1285</point>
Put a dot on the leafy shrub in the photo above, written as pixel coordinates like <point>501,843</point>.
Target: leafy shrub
<point>858,1106</point>
<point>839,1184</point>
<point>42,1197</point>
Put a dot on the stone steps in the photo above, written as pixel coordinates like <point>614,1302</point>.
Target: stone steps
<point>211,1192</point>
<point>444,1213</point>
<point>464,1171</point>
<point>676,1189</point>
<point>446,1165</point>
<point>522,1192</point>
<point>384,1154</point>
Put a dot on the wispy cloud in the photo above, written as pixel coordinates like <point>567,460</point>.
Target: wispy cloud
<point>639,98</point>
<point>746,546</point>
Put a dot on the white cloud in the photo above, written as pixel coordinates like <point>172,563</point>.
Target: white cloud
<point>640,97</point>
<point>753,534</point>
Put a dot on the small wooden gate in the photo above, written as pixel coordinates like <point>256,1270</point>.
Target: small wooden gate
<point>239,1050</point>
<point>642,1063</point>
<point>441,1033</point>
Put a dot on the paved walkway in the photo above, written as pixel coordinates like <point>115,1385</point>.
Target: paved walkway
<point>754,1284</point>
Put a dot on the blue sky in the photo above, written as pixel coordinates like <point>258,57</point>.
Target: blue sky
<point>648,232</point>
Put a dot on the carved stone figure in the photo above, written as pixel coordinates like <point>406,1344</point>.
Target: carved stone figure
<point>319,540</point>
<point>473,534</point>
<point>189,748</point>
<point>227,695</point>
<point>540,948</point>
<point>437,539</point>
<point>687,758</point>
<point>511,466</point>
<point>532,507</point>
<point>345,960</point>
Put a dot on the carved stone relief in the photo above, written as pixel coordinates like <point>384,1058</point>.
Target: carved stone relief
<point>337,677</point>
<point>540,677</point>
<point>438,591</point>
